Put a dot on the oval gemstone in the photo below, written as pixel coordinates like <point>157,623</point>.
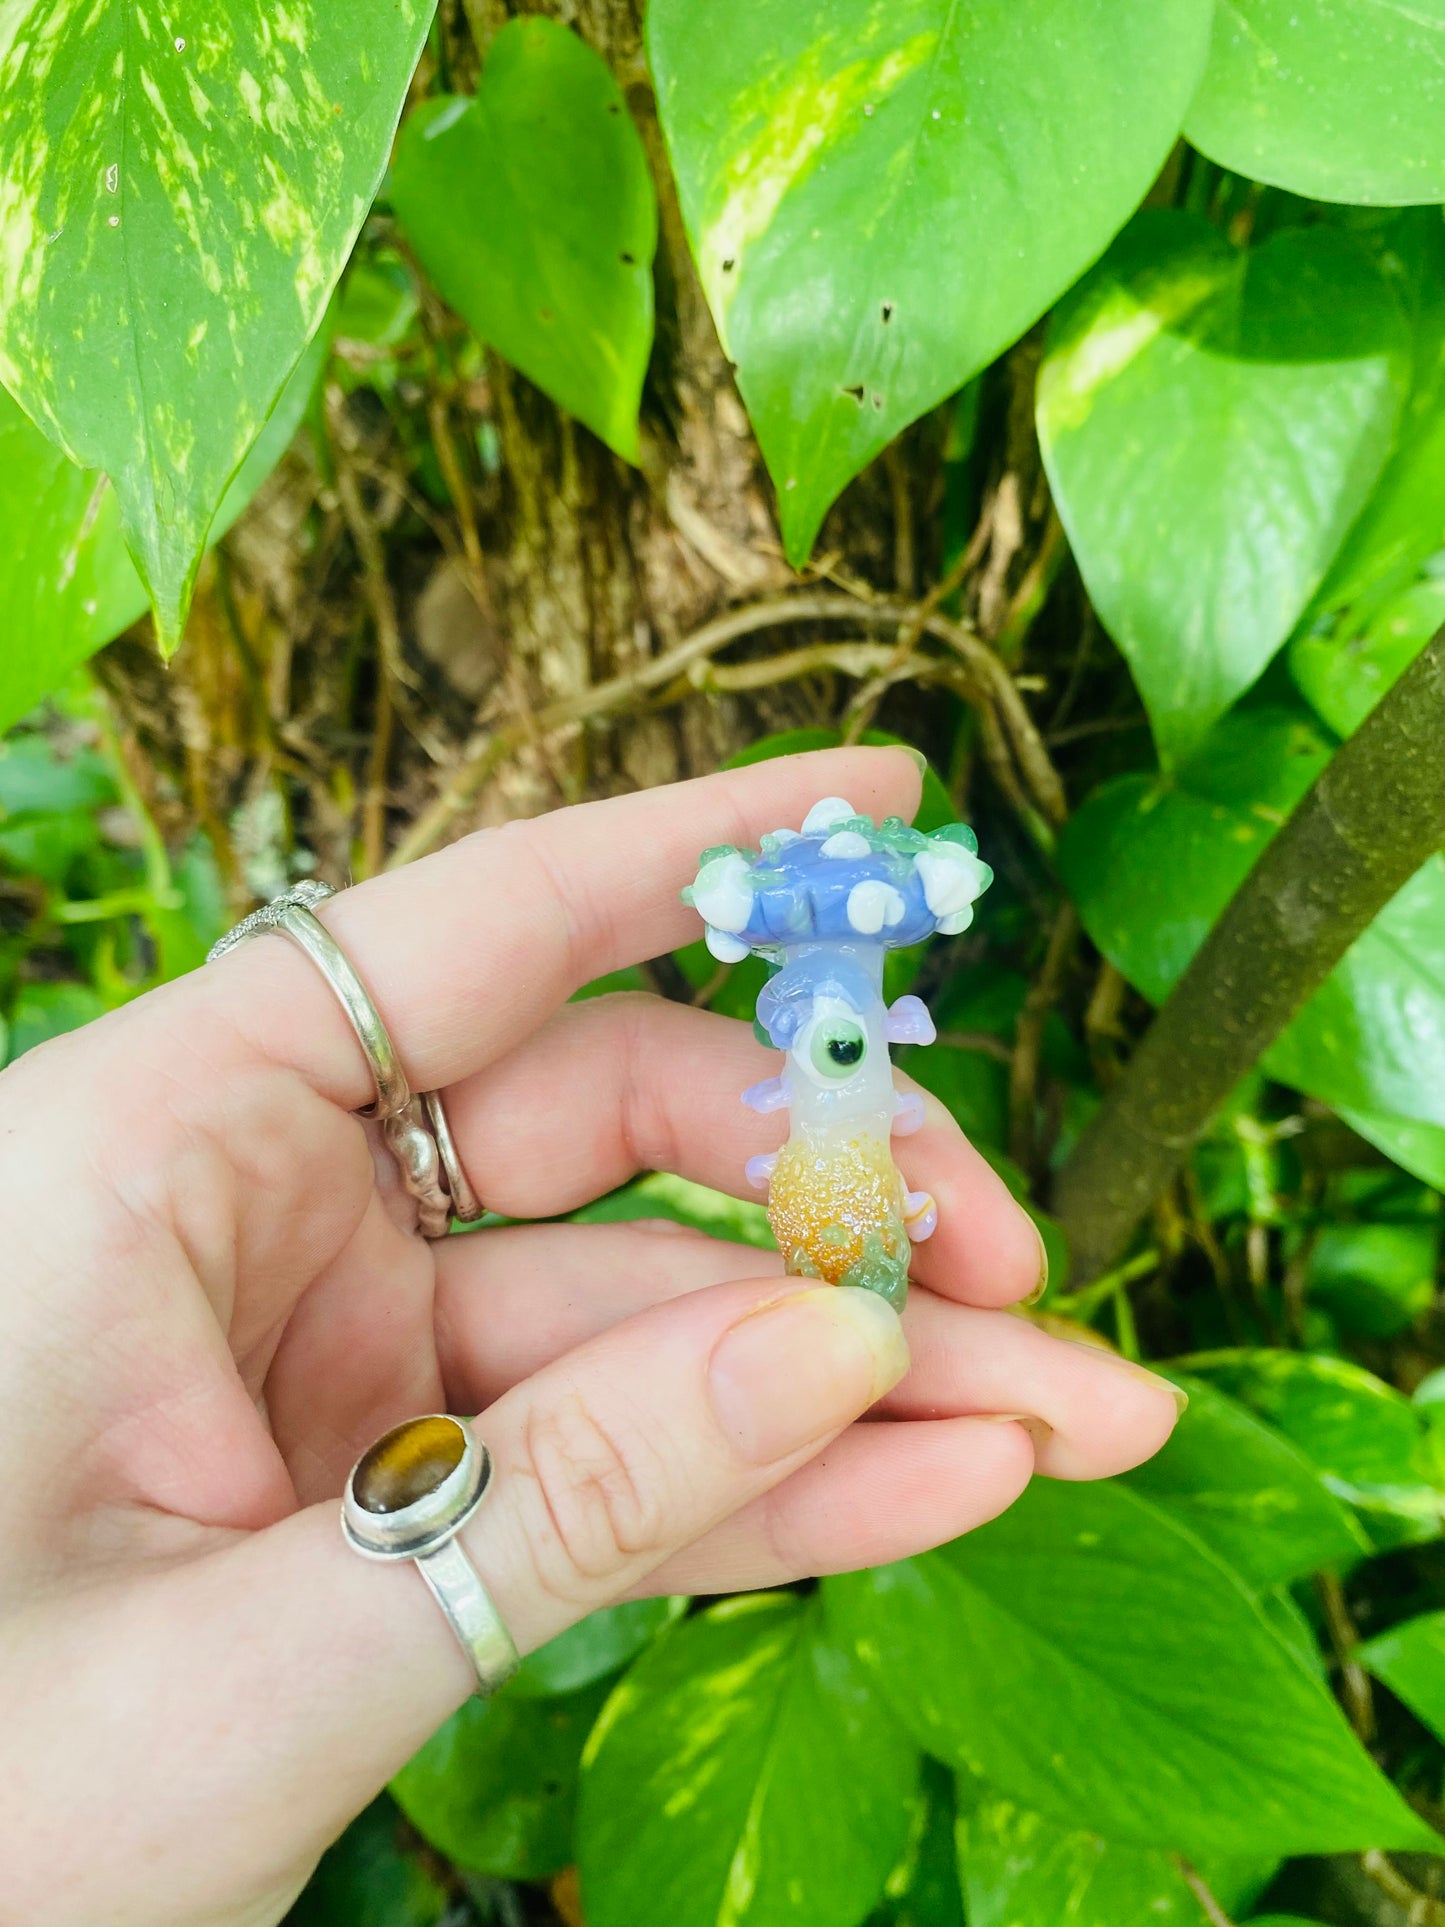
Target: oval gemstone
<point>407,1463</point>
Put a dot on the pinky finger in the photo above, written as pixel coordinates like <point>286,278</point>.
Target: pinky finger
<point>878,1493</point>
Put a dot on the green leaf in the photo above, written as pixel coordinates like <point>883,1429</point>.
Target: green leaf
<point>175,209</point>
<point>1403,523</point>
<point>1342,677</point>
<point>935,806</point>
<point>880,200</point>
<point>67,584</point>
<point>1212,420</point>
<point>36,781</point>
<point>1375,1280</point>
<point>1021,1870</point>
<point>532,209</point>
<point>366,1880</point>
<point>1366,1438</point>
<point>661,1195</point>
<point>1339,103</point>
<point>1248,1493</point>
<point>923,1890</point>
<point>1410,1659</point>
<point>43,1011</point>
<point>1090,1658</point>
<point>745,1770</point>
<point>496,1788</point>
<point>1417,1148</point>
<point>1151,862</point>
<point>596,1646</point>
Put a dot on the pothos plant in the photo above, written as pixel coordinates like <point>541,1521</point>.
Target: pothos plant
<point>1214,236</point>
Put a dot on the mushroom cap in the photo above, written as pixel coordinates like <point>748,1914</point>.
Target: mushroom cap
<point>842,877</point>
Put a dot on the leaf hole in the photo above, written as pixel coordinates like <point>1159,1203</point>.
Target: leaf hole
<point>877,400</point>
<point>630,260</point>
<point>613,107</point>
<point>887,312</point>
<point>855,393</point>
<point>729,265</point>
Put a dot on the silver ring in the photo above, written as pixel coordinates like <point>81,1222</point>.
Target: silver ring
<point>292,915</point>
<point>466,1205</point>
<point>416,1153</point>
<point>408,1497</point>
<point>413,1141</point>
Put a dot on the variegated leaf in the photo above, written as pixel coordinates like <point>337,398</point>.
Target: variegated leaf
<point>882,194</point>
<point>179,189</point>
<point>67,585</point>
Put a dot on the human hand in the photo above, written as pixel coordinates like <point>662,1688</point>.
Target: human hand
<point>212,1303</point>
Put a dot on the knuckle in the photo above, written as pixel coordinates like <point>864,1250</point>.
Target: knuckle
<point>603,1502</point>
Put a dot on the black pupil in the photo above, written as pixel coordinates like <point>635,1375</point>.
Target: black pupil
<point>845,1050</point>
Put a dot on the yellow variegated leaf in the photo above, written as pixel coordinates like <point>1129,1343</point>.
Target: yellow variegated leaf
<point>179,189</point>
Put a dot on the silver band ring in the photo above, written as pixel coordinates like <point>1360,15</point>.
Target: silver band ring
<point>424,1153</point>
<point>466,1205</point>
<point>418,1158</point>
<point>408,1497</point>
<point>292,914</point>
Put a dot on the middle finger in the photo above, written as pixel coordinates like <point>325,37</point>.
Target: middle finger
<point>623,1084</point>
<point>511,1302</point>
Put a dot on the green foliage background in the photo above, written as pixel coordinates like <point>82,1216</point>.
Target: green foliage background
<point>1172,274</point>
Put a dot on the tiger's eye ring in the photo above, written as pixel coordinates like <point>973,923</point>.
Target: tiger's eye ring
<point>408,1497</point>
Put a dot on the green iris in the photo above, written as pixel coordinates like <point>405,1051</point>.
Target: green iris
<point>838,1047</point>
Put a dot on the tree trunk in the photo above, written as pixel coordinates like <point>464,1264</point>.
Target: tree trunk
<point>600,566</point>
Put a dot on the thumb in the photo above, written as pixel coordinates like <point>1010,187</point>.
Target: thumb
<point>262,1693</point>
<point>638,1443</point>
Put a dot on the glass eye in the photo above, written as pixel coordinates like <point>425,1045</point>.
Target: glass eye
<point>838,1047</point>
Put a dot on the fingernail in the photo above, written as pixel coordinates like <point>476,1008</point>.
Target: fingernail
<point>1038,1429</point>
<point>1141,1372</point>
<point>803,1366</point>
<point>1042,1286</point>
<point>918,756</point>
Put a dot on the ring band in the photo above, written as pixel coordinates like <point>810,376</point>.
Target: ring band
<point>292,914</point>
<point>466,1205</point>
<point>408,1497</point>
<point>415,1129</point>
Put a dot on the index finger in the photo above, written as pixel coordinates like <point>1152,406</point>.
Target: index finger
<point>466,951</point>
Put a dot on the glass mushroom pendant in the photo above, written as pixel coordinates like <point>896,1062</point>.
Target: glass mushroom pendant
<point>823,905</point>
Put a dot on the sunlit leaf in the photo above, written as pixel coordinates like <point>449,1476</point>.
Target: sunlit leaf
<point>1247,1492</point>
<point>1342,102</point>
<point>881,199</point>
<point>178,195</point>
<point>67,583</point>
<point>1212,420</point>
<point>746,1769</point>
<point>1366,1439</point>
<point>1087,1656</point>
<point>1020,1869</point>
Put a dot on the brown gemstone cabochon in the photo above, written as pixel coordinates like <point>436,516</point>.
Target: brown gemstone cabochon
<point>407,1463</point>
